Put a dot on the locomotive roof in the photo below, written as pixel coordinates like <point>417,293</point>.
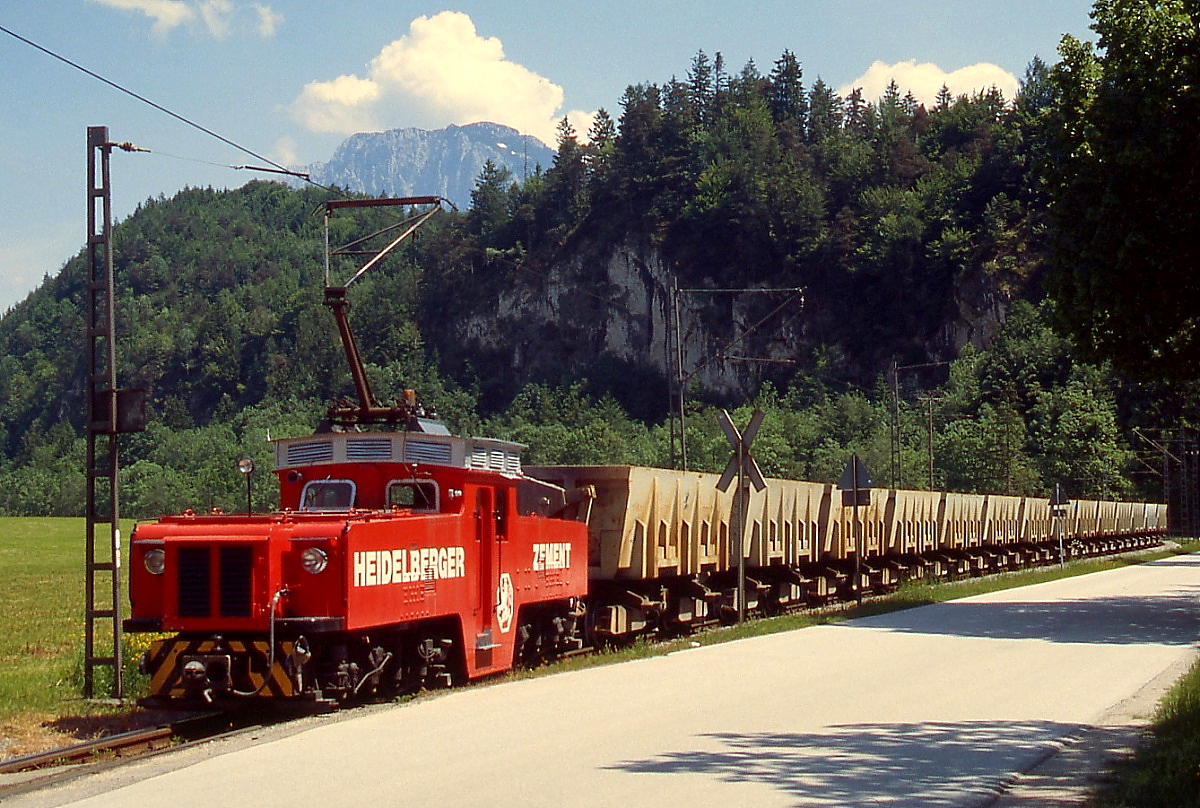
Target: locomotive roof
<point>453,451</point>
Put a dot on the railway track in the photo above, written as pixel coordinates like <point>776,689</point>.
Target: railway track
<point>46,768</point>
<point>135,742</point>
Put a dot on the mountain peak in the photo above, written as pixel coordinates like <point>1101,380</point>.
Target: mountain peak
<point>444,162</point>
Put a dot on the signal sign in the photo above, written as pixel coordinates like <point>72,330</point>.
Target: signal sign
<point>1059,502</point>
<point>855,483</point>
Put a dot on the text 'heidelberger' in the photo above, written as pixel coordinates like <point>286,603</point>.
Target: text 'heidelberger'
<point>378,567</point>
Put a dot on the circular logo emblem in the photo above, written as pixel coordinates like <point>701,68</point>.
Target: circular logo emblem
<point>504,602</point>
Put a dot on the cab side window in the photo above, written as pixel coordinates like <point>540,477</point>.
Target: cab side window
<point>419,495</point>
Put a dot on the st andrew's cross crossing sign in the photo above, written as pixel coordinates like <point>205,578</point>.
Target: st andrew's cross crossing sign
<point>741,461</point>
<point>742,466</point>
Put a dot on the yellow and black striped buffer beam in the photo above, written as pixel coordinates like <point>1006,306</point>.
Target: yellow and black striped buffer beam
<point>248,669</point>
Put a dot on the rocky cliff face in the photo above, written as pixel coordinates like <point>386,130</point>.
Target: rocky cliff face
<point>418,162</point>
<point>613,303</point>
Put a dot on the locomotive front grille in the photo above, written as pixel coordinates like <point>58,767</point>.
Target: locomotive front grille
<point>235,581</point>
<point>195,580</point>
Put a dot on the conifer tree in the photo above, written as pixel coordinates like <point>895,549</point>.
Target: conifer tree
<point>786,94</point>
<point>824,112</point>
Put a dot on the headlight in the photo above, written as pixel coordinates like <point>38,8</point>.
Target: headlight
<point>155,561</point>
<point>314,560</point>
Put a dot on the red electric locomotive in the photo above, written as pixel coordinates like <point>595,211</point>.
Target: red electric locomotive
<point>401,557</point>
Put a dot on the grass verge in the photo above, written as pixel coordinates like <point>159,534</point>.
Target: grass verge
<point>1164,772</point>
<point>907,596</point>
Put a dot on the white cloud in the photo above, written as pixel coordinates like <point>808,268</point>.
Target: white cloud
<point>581,121</point>
<point>268,20</point>
<point>441,72</point>
<point>344,105</point>
<point>216,14</point>
<point>286,152</point>
<point>167,14</point>
<point>217,18</point>
<point>924,80</point>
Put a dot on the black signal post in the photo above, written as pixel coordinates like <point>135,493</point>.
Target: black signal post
<point>1058,509</point>
<point>855,484</point>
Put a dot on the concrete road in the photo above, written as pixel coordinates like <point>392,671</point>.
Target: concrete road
<point>939,706</point>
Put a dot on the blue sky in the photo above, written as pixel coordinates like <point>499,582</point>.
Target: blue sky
<point>290,79</point>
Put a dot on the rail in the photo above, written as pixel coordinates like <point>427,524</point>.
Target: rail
<point>72,761</point>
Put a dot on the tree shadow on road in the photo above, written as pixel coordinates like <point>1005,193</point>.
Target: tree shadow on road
<point>910,764</point>
<point>1172,619</point>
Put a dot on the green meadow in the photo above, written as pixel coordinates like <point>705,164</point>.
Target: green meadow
<point>42,619</point>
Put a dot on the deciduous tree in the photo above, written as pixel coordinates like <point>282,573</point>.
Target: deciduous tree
<point>1124,174</point>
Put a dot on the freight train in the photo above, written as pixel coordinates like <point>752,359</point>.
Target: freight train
<point>404,557</point>
<point>410,559</point>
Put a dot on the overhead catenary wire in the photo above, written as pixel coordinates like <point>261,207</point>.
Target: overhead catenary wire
<point>277,168</point>
<point>159,153</point>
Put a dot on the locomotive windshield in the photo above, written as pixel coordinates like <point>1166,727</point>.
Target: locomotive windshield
<point>328,495</point>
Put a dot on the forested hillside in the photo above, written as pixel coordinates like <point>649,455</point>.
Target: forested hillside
<point>919,238</point>
<point>908,229</point>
